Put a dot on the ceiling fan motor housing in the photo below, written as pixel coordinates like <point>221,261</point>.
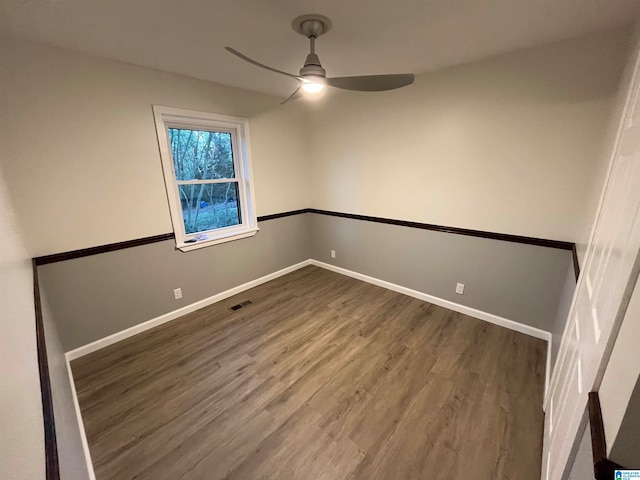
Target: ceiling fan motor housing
<point>313,67</point>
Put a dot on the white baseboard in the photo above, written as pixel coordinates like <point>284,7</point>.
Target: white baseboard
<point>83,435</point>
<point>456,307</point>
<point>547,372</point>
<point>167,317</point>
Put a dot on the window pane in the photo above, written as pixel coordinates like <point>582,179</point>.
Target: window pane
<point>210,206</point>
<point>201,155</point>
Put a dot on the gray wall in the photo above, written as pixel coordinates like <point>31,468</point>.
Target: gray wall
<point>73,465</point>
<point>564,305</point>
<point>516,281</point>
<point>582,468</point>
<point>626,447</point>
<point>96,296</point>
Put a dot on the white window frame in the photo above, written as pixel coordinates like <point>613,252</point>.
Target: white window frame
<point>238,127</point>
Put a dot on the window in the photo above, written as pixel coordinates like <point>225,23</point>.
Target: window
<point>207,172</point>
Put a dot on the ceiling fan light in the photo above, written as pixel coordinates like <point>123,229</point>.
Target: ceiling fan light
<point>312,87</point>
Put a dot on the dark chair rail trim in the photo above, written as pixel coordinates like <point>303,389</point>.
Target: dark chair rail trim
<point>541,242</point>
<point>273,216</point>
<point>603,468</point>
<point>112,247</point>
<point>576,264</point>
<point>50,443</point>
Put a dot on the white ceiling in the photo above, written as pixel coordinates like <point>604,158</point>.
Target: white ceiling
<point>368,37</point>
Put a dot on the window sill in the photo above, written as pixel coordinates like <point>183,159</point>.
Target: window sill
<point>208,242</point>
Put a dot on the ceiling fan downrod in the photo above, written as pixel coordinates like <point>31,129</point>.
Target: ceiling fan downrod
<point>312,26</point>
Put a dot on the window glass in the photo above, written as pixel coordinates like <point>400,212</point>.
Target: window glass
<point>207,206</point>
<point>201,155</point>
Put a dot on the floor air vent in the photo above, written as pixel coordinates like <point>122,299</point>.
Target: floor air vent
<point>240,305</point>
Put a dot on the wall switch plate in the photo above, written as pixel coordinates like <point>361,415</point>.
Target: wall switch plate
<point>177,293</point>
<point>460,288</point>
<point>333,254</point>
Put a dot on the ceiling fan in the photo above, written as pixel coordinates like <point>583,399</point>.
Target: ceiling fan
<point>313,77</point>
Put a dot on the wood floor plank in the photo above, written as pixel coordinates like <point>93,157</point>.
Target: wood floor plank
<point>320,377</point>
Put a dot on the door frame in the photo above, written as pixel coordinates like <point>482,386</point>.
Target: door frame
<point>630,97</point>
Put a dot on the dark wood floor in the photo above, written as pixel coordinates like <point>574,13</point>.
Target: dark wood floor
<point>321,377</point>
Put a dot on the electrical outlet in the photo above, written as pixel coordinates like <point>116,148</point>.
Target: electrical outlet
<point>460,288</point>
<point>177,293</point>
<point>333,254</point>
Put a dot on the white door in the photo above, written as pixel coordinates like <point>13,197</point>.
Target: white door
<point>602,294</point>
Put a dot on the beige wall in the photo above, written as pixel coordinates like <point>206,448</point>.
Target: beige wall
<point>509,144</point>
<point>512,144</point>
<point>21,433</point>
<point>81,150</point>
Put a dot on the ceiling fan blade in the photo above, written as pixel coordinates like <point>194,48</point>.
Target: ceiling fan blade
<point>293,96</point>
<point>251,60</point>
<point>372,83</point>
